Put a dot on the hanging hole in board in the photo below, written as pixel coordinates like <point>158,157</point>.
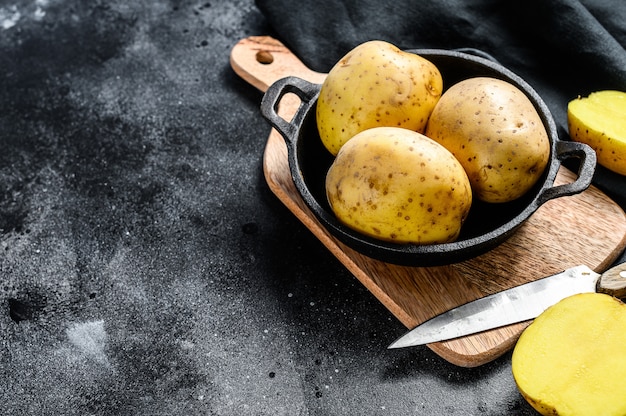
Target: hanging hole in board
<point>264,57</point>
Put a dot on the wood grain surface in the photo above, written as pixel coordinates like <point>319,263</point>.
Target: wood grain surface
<point>588,228</point>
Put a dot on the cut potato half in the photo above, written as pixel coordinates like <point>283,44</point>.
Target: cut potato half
<point>599,120</point>
<point>570,360</point>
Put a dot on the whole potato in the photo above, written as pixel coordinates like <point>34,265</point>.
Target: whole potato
<point>599,120</point>
<point>398,185</point>
<point>496,133</point>
<point>376,84</point>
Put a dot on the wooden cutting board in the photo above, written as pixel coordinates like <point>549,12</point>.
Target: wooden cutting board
<point>588,228</point>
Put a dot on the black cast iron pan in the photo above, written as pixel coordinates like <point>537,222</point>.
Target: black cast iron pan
<point>487,224</point>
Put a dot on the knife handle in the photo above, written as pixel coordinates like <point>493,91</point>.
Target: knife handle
<point>613,282</point>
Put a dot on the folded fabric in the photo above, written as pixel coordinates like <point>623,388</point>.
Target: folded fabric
<point>562,48</point>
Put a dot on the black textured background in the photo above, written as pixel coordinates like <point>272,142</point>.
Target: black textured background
<point>146,269</point>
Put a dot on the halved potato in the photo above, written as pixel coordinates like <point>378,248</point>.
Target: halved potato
<point>570,360</point>
<point>599,120</point>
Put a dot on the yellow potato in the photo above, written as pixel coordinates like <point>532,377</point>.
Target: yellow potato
<point>398,185</point>
<point>570,360</point>
<point>376,84</point>
<point>600,121</point>
<point>497,135</point>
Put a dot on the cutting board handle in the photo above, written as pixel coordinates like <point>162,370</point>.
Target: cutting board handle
<point>587,156</point>
<point>263,60</point>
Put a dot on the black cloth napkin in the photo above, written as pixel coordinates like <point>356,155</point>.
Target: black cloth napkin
<point>562,48</point>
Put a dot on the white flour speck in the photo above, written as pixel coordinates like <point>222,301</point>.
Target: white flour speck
<point>39,14</point>
<point>9,17</point>
<point>89,338</point>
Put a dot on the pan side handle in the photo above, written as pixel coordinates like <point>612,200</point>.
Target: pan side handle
<point>566,150</point>
<point>305,91</point>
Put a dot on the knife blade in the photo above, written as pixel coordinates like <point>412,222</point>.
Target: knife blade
<point>518,304</point>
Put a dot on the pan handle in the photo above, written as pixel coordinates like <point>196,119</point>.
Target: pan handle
<point>571,149</point>
<point>305,90</point>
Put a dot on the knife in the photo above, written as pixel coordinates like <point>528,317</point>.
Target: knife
<point>518,304</point>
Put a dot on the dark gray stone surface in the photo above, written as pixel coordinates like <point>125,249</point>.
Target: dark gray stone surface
<point>146,268</point>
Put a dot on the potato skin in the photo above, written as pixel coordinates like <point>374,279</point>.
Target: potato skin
<point>497,135</point>
<point>376,84</point>
<point>398,185</point>
<point>598,120</point>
